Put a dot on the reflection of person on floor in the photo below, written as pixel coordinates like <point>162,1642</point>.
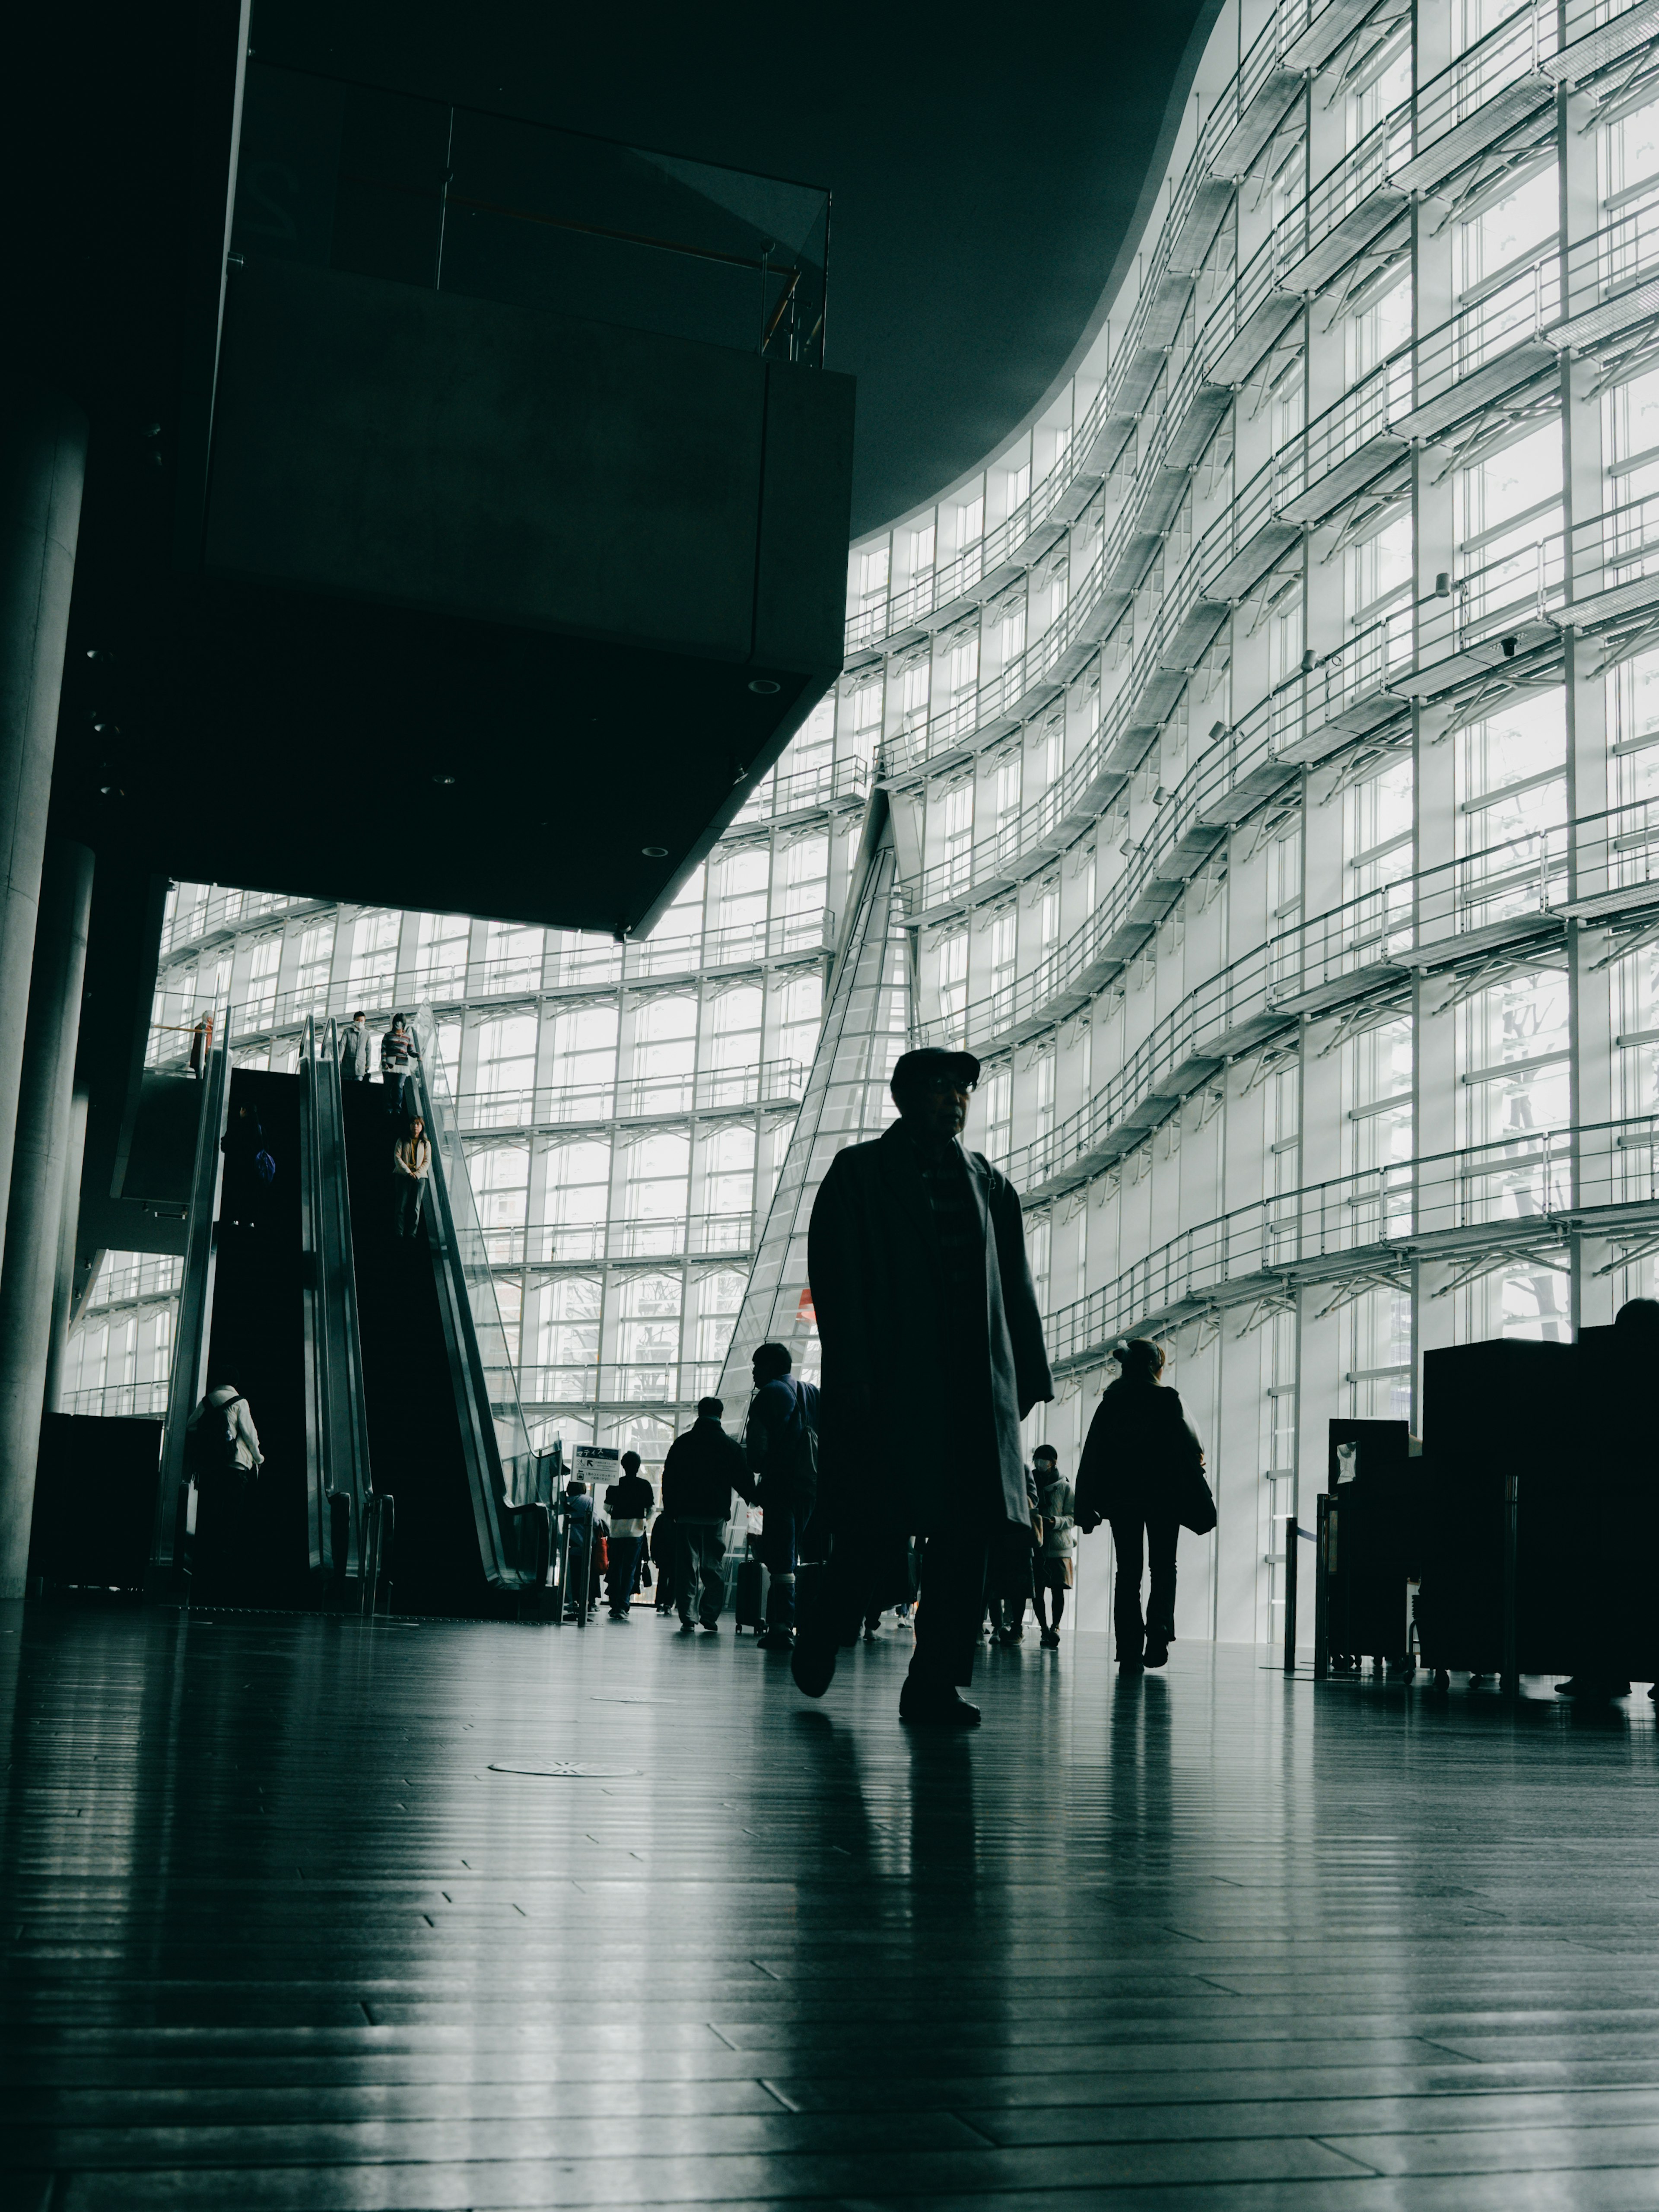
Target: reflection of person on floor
<point>412,1163</point>
<point>933,1357</point>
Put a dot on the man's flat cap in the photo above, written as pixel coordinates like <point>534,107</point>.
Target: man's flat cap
<point>931,1063</point>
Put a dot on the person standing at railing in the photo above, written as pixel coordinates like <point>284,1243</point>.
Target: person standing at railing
<point>412,1163</point>
<point>397,1052</point>
<point>354,1049</point>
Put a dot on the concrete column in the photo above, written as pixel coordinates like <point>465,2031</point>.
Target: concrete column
<point>68,1221</point>
<point>39,1164</point>
<point>43,452</point>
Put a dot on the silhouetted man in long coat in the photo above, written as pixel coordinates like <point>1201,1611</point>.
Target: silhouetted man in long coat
<point>933,1357</point>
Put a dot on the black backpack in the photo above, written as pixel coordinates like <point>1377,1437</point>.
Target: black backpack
<point>213,1446</point>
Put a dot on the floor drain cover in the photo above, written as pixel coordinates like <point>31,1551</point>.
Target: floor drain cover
<point>570,1770</point>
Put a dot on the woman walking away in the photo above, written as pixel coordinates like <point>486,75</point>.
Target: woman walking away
<point>412,1163</point>
<point>1057,1505</point>
<point>1141,1462</point>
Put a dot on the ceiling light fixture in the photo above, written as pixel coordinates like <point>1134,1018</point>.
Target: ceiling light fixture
<point>653,851</point>
<point>765,686</point>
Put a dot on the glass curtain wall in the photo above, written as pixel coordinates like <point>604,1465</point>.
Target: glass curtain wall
<point>1272,733</point>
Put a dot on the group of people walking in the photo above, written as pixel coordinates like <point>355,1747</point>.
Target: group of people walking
<point>907,1470</point>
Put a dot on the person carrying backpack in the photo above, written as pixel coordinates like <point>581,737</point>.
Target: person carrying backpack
<point>780,1444</point>
<point>222,1458</point>
<point>221,1443</point>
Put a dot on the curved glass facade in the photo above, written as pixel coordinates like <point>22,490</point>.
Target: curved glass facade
<point>1271,730</point>
<point>1268,735</point>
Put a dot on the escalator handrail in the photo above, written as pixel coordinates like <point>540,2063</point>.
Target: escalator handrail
<point>481,1446</point>
<point>356,1399</point>
<point>188,1380</point>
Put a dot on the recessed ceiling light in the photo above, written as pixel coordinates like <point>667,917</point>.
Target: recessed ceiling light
<point>765,685</point>
<point>443,779</point>
<point>654,852</point>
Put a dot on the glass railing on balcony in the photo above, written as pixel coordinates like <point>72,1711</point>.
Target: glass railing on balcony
<point>117,1401</point>
<point>357,177</point>
<point>1514,878</point>
<point>622,1383</point>
<point>1506,55</point>
<point>801,789</point>
<point>711,1091</point>
<point>700,1236</point>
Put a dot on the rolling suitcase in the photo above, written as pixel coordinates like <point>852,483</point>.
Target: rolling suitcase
<point>749,1598</point>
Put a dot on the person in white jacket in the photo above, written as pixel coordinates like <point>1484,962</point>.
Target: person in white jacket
<point>354,1049</point>
<point>235,1421</point>
<point>1058,1507</point>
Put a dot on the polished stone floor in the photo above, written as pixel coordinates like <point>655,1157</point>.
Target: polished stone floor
<point>302,1914</point>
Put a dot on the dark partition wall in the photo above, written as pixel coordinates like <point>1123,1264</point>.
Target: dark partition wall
<point>1491,1411</point>
<point>94,1499</point>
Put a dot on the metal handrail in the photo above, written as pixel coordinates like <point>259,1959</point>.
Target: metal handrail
<point>187,1383</point>
<point>1601,1173</point>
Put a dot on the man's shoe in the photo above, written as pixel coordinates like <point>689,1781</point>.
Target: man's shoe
<point>925,1705</point>
<point>1131,1666</point>
<point>1157,1653</point>
<point>775,1639</point>
<point>709,1627</point>
<point>1591,1689</point>
<point>1048,1640</point>
<point>688,1628</point>
<point>813,1667</point>
<point>869,1635</point>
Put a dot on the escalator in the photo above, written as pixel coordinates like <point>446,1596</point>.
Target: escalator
<point>257,1340</point>
<point>446,1434</point>
<point>360,1356</point>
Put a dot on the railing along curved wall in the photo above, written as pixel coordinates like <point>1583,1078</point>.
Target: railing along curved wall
<point>1511,73</point>
<point>1373,944</point>
<point>1414,394</point>
<point>1524,1193</point>
<point>1297,38</point>
<point>595,967</point>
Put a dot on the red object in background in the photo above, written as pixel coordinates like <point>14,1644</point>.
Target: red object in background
<point>805,1310</point>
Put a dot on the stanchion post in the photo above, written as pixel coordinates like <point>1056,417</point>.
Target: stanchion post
<point>1324,1523</point>
<point>1510,1681</point>
<point>1291,1539</point>
<point>563,1569</point>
